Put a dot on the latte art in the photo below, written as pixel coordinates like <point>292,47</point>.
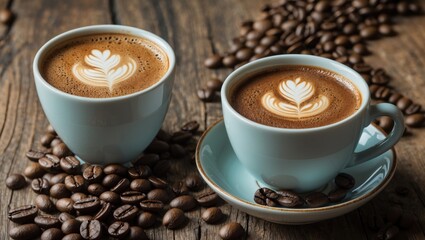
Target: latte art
<point>104,69</point>
<point>297,93</point>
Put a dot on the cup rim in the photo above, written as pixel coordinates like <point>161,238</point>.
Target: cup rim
<point>274,61</point>
<point>99,29</point>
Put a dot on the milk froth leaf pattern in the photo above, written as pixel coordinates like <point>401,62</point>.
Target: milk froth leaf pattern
<point>296,93</point>
<point>105,69</point>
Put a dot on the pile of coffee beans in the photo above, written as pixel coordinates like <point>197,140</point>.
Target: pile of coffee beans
<point>337,30</point>
<point>289,199</point>
<point>84,201</point>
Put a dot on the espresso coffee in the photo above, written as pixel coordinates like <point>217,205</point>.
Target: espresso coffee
<point>296,96</point>
<point>104,65</point>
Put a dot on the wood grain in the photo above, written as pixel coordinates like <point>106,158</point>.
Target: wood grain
<point>195,29</point>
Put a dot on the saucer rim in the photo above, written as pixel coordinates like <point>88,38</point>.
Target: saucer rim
<point>372,193</point>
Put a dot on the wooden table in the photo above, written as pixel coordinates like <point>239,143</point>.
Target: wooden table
<point>195,29</point>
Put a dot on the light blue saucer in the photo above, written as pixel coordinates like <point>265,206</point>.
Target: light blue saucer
<point>220,168</point>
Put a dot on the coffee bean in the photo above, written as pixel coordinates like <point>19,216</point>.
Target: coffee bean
<point>403,103</point>
<point>33,155</point>
<point>146,220</point>
<point>50,163</point>
<point>60,150</point>
<point>72,236</point>
<point>75,183</point>
<point>137,233</point>
<point>46,139</point>
<point>55,142</point>
<point>208,199</point>
<point>83,218</point>
<point>193,126</point>
<point>52,234</point>
<point>91,230</point>
<point>288,199</point>
<point>70,164</point>
<point>15,181</point>
<point>151,205</point>
<point>47,221</point>
<point>87,205</point>
<point>125,213</point>
<point>355,58</point>
<point>93,173</point>
<point>63,217</point>
<point>213,61</point>
<point>110,197</point>
<point>111,180</point>
<point>24,232</point>
<point>174,219</point>
<point>386,123</point>
<point>96,189</point>
<point>369,32</point>
<point>177,151</point>
<point>271,202</point>
<point>159,194</point>
<point>194,182</point>
<point>406,221</point>
<point>415,120</point>
<point>132,197</point>
<point>259,197</point>
<point>337,195</point>
<point>65,205</point>
<point>58,178</point>
<point>375,222</point>
<point>40,185</point>
<point>115,168</point>
<point>78,196</point>
<point>59,190</point>
<point>412,109</point>
<point>23,214</point>
<point>232,230</point>
<point>386,30</point>
<point>205,95</point>
<point>119,229</point>
<point>141,185</point>
<point>212,215</point>
<point>181,137</point>
<point>44,203</point>
<point>162,168</point>
<point>34,170</point>
<point>345,181</point>
<point>393,214</point>
<point>316,199</point>
<point>360,48</point>
<point>213,84</point>
<point>180,188</point>
<point>71,226</point>
<point>184,202</point>
<point>158,182</point>
<point>121,186</point>
<point>157,146</point>
<point>148,159</point>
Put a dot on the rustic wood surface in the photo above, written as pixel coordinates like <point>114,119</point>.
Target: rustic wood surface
<point>195,29</point>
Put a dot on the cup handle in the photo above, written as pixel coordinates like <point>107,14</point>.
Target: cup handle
<point>378,110</point>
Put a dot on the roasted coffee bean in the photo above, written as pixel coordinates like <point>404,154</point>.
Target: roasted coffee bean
<point>177,151</point>
<point>46,139</point>
<point>65,205</point>
<point>25,232</point>
<point>96,189</point>
<point>115,168</point>
<point>132,197</point>
<point>78,196</point>
<point>93,173</point>
<point>24,214</point>
<point>34,170</point>
<point>208,199</point>
<point>104,212</point>
<point>52,234</point>
<point>386,123</point>
<point>152,205</point>
<point>159,194</point>
<point>40,185</point>
<point>412,109</point>
<point>55,142</point>
<point>91,230</point>
<point>83,218</point>
<point>415,120</point>
<point>15,181</point>
<point>369,32</point>
<point>194,182</point>
<point>149,159</point>
<point>59,190</point>
<point>60,150</point>
<point>71,226</point>
<point>70,164</point>
<point>386,30</point>
<point>393,214</point>
<point>403,103</point>
<point>119,229</point>
<point>75,183</point>
<point>141,185</point>
<point>63,217</point>
<point>6,16</point>
<point>288,199</point>
<point>44,203</point>
<point>259,197</point>
<point>181,137</point>
<point>337,195</point>
<point>110,197</point>
<point>406,221</point>
<point>72,236</point>
<point>163,136</point>
<point>232,230</point>
<point>174,219</point>
<point>87,205</point>
<point>47,221</point>
<point>355,58</point>
<point>212,215</point>
<point>146,220</point>
<point>157,146</point>
<point>267,192</point>
<point>137,233</point>
<point>34,155</point>
<point>180,188</point>
<point>161,168</point>
<point>316,199</point>
<point>344,180</point>
<point>375,222</point>
<point>140,171</point>
<point>121,186</point>
<point>125,213</point>
<point>58,178</point>
<point>271,202</point>
<point>158,182</point>
<point>50,163</point>
<point>111,180</point>
<point>243,54</point>
<point>184,202</point>
<point>213,61</point>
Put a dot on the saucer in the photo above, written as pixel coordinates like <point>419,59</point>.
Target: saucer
<point>223,172</point>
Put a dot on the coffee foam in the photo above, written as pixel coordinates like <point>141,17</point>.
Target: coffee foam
<point>104,65</point>
<point>295,97</point>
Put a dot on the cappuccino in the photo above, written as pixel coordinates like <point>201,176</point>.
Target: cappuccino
<point>104,65</point>
<point>296,96</point>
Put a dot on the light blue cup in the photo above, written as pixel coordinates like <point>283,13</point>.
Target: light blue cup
<point>304,159</point>
<point>106,130</point>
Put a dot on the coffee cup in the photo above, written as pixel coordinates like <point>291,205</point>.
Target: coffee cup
<point>104,129</point>
<point>304,158</point>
